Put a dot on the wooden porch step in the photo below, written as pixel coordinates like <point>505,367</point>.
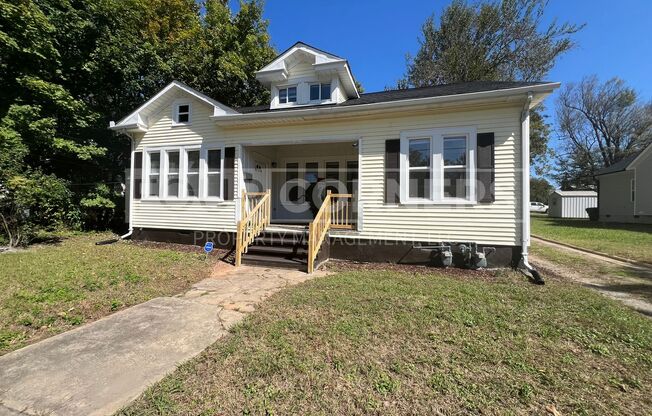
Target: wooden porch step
<point>278,249</point>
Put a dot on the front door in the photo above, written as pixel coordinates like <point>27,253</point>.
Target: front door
<point>257,175</point>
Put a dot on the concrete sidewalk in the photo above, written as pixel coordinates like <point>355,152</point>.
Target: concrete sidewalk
<point>100,367</point>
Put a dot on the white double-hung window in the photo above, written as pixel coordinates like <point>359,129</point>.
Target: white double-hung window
<point>172,170</point>
<point>184,173</point>
<point>153,165</point>
<point>192,173</point>
<point>214,165</point>
<point>438,166</point>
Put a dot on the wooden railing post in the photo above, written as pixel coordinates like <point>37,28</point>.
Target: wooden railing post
<point>252,222</point>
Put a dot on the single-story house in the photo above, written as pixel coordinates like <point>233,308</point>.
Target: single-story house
<point>571,204</point>
<point>416,175</point>
<point>624,190</point>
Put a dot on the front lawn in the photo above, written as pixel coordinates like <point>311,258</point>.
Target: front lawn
<point>632,241</point>
<point>437,342</point>
<point>48,289</point>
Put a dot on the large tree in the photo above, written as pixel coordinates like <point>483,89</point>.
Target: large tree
<point>67,67</point>
<point>599,124</point>
<point>491,40</point>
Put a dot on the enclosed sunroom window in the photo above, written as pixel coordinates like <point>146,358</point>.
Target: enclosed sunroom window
<point>154,174</point>
<point>214,173</point>
<point>192,173</point>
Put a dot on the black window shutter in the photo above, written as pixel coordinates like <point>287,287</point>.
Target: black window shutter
<point>486,168</point>
<point>392,171</point>
<point>138,175</point>
<point>229,172</point>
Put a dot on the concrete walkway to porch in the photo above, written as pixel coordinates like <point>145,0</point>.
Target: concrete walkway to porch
<point>100,367</point>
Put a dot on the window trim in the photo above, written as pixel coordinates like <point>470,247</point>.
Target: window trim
<point>183,172</point>
<point>186,173</point>
<point>320,99</point>
<point>147,174</point>
<point>436,136</point>
<point>632,190</point>
<point>166,172</point>
<point>203,162</point>
<point>287,102</point>
<point>175,113</point>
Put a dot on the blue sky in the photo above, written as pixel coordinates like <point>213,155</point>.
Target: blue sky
<point>375,35</point>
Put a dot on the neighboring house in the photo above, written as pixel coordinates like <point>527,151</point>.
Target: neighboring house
<point>571,204</point>
<point>625,190</point>
<point>444,167</point>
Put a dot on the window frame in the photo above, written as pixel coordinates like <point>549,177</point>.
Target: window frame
<point>320,85</point>
<point>203,160</point>
<point>632,190</point>
<point>166,172</point>
<point>437,168</point>
<point>287,94</point>
<point>176,113</point>
<point>183,173</point>
<point>146,177</point>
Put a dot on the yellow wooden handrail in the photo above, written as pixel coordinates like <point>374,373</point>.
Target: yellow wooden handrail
<point>333,213</point>
<point>253,223</point>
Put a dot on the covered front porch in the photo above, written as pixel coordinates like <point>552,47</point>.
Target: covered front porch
<point>293,195</point>
<point>299,177</point>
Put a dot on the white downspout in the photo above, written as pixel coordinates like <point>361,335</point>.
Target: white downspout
<point>131,189</point>
<point>525,197</point>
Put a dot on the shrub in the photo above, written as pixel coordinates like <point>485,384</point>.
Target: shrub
<point>99,207</point>
<point>32,202</point>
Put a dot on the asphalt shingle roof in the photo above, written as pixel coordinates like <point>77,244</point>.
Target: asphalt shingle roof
<point>622,164</point>
<point>408,94</point>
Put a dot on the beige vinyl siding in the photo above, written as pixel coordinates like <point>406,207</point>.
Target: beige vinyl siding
<point>496,223</point>
<point>183,215</point>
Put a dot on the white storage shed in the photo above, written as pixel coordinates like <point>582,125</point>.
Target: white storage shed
<point>571,204</point>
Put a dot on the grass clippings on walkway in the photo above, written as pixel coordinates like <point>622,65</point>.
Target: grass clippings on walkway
<point>374,342</point>
<point>48,289</point>
<point>631,241</point>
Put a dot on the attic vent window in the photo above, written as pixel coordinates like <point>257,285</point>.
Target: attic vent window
<point>320,92</point>
<point>287,95</point>
<point>182,115</point>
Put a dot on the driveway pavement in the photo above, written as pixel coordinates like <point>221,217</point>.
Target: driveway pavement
<point>100,367</point>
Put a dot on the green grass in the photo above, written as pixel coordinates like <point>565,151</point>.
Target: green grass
<point>633,241</point>
<point>398,343</point>
<point>50,288</point>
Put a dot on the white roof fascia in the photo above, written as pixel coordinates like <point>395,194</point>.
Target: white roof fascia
<point>135,118</point>
<point>276,70</point>
<point>543,89</point>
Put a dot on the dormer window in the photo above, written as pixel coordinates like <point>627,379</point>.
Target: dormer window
<point>320,92</point>
<point>287,95</point>
<point>182,114</point>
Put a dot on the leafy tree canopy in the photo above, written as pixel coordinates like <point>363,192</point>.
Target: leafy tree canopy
<point>67,67</point>
<point>492,40</point>
<point>599,124</point>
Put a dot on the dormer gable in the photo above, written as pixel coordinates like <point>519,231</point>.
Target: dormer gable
<point>305,75</point>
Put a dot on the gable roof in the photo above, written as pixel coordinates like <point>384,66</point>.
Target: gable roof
<point>137,120</point>
<point>410,94</point>
<point>277,70</point>
<point>625,163</point>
